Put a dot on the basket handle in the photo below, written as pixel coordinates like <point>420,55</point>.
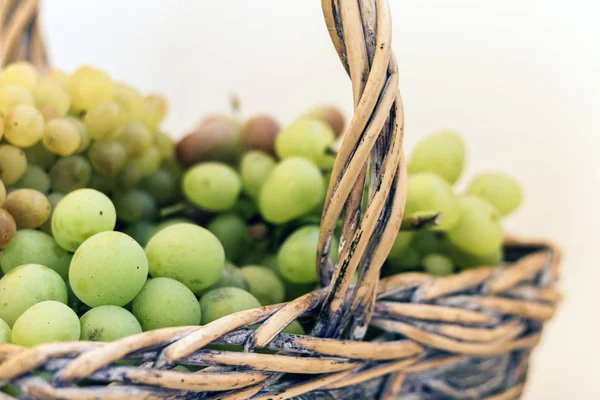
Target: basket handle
<point>20,35</point>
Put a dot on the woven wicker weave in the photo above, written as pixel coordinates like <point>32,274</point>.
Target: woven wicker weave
<point>466,336</point>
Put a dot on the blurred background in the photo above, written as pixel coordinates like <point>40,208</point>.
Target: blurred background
<point>520,79</point>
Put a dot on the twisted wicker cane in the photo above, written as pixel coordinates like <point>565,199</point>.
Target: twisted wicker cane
<point>462,336</point>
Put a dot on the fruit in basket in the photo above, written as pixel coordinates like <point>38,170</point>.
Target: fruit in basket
<point>264,284</point>
<point>232,232</point>
<point>34,178</point>
<point>5,332</point>
<point>428,192</point>
<point>61,137</point>
<point>134,206</point>
<point>8,228</point>
<point>13,164</point>
<point>21,73</point>
<point>136,139</point>
<point>45,322</point>
<point>23,126</point>
<point>498,189</point>
<point>212,186</point>
<point>255,168</point>
<point>224,301</point>
<point>259,133</point>
<point>29,208</point>
<point>107,158</point>
<point>441,153</point>
<point>231,276</point>
<point>216,139</point>
<point>108,323</point>
<point>50,93</point>
<point>438,264</point>
<point>40,156</point>
<point>331,115</point>
<point>88,87</point>
<point>70,173</point>
<point>307,138</point>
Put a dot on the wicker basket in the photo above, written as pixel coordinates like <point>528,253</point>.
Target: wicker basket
<point>466,336</point>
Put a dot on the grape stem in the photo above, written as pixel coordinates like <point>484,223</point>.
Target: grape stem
<point>421,221</point>
<point>174,209</point>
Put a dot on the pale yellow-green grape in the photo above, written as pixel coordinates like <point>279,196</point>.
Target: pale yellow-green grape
<point>27,285</point>
<point>187,253</point>
<point>84,134</point>
<point>466,260</point>
<point>428,192</point>
<point>53,199</point>
<point>441,153</point>
<point>164,144</point>
<point>108,323</point>
<point>46,322</point>
<point>255,168</point>
<point>105,121</point>
<point>212,186</point>
<point>438,264</point>
<point>13,164</point>
<point>58,76</point>
<point>498,189</point>
<point>148,162</point>
<point>232,232</point>
<point>307,138</point>
<point>107,158</point>
<point>401,244</point>
<point>159,227</point>
<point>23,126</point>
<point>29,208</point>
<point>88,87</point>
<point>479,229</point>
<point>153,111</point>
<point>264,284</point>
<point>51,93</point>
<point>225,301</point>
<point>130,100</point>
<point>5,332</point>
<point>61,137</point>
<point>292,189</point>
<point>13,95</point>
<point>39,155</point>
<point>134,205</point>
<point>20,73</point>
<point>109,268</point>
<point>70,173</point>
<point>162,186</point>
<point>81,214</point>
<point>165,302</point>
<point>136,139</point>
<point>34,178</point>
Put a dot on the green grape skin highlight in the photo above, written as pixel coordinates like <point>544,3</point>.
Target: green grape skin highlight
<point>21,73</point>
<point>221,302</point>
<point>212,186</point>
<point>429,192</point>
<point>61,137</point>
<point>306,138</point>
<point>45,322</point>
<point>232,232</point>
<point>498,189</point>
<point>441,153</point>
<point>264,284</point>
<point>23,126</point>
<point>13,95</point>
<point>255,167</point>
<point>108,323</point>
<point>13,164</point>
<point>34,178</point>
<point>438,264</point>
<point>165,302</point>
<point>135,205</point>
<point>70,173</point>
<point>5,332</point>
<point>107,158</point>
<point>88,87</point>
<point>50,93</point>
<point>109,268</point>
<point>80,215</point>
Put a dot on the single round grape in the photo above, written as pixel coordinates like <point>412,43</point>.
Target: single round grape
<point>29,208</point>
<point>215,140</point>
<point>466,260</point>
<point>85,139</point>
<point>35,247</point>
<point>148,162</point>
<point>292,189</point>
<point>107,157</point>
<point>40,156</point>
<point>401,244</point>
<point>87,87</point>
<point>332,116</point>
<point>50,93</point>
<point>21,73</point>
<point>46,322</point>
<point>165,302</point>
<point>259,133</point>
<point>441,153</point>
<point>108,323</point>
<point>212,186</point>
<point>164,144</point>
<point>13,95</point>
<point>23,126</point>
<point>306,138</point>
<point>135,205</point>
<point>129,99</point>
<point>498,189</point>
<point>187,253</point>
<point>13,164</point>
<point>221,302</point>
<point>2,193</point>
<point>136,139</point>
<point>109,268</point>
<point>264,284</point>
<point>53,199</point>
<point>5,332</point>
<point>438,264</point>
<point>407,261</point>
<point>27,285</point>
<point>8,228</point>
<point>169,222</point>
<point>105,121</point>
<point>153,111</point>
<point>479,229</point>
<point>70,173</point>
<point>162,186</point>
<point>128,177</point>
<point>232,232</point>
<point>34,178</point>
<point>139,231</point>
<point>255,168</point>
<point>61,137</point>
<point>80,215</point>
<point>429,192</point>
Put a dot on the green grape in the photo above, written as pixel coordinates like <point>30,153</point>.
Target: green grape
<point>187,253</point>
<point>173,167</point>
<point>438,264</point>
<point>46,322</point>
<point>498,189</point>
<point>293,189</point>
<point>332,116</point>
<point>221,302</point>
<point>8,228</point>
<point>306,138</point>
<point>50,93</point>
<point>479,230</point>
<point>128,177</point>
<point>109,268</point>
<point>441,153</point>
<point>148,162</point>
<point>212,186</point>
<point>232,232</point>
<point>35,247</point>
<point>39,155</point>
<point>21,73</point>
<point>129,99</point>
<point>429,192</point>
<point>13,164</point>
<point>13,95</point>
<point>164,144</point>
<point>34,178</point>
<point>466,260</point>
<point>153,111</point>
<point>29,208</point>
<point>85,139</point>
<point>80,215</point>
<point>53,199</point>
<point>426,242</point>
<point>108,323</point>
<point>70,173</point>
<point>23,126</point>
<point>407,261</point>
<point>107,157</point>
<point>297,256</point>
<point>5,332</point>
<point>255,168</point>
<point>231,276</point>
<point>162,186</point>
<point>139,231</point>
<point>105,121</point>
<point>61,137</point>
<point>136,139</point>
<point>159,227</point>
<point>165,302</point>
<point>135,205</point>
<point>264,284</point>
<point>102,183</point>
<point>87,87</point>
<point>27,285</point>
<point>401,244</point>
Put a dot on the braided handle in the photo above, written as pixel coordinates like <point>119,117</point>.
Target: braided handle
<point>20,35</point>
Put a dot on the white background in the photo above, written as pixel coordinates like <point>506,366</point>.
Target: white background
<point>519,78</point>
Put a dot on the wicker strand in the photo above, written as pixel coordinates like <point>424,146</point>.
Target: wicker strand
<point>20,36</point>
